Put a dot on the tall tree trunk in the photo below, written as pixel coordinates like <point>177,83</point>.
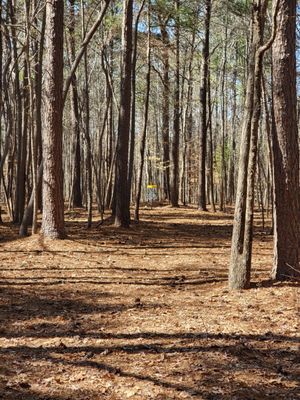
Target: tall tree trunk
<point>211,146</point>
<point>1,95</point>
<point>166,109</point>
<point>53,202</point>
<point>30,213</point>
<point>31,117</point>
<point>18,116</point>
<point>89,189</point>
<point>188,128</point>
<point>122,214</point>
<point>146,113</point>
<point>241,249</point>
<point>286,147</point>
<point>25,129</point>
<point>232,161</point>
<point>176,130</point>
<point>133,105</point>
<point>223,94</point>
<point>38,86</point>
<point>203,110</point>
<point>270,194</point>
<point>76,190</point>
<point>8,119</point>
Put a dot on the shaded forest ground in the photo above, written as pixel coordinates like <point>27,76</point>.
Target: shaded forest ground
<point>144,314</point>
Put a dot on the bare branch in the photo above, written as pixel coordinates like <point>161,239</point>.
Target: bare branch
<point>83,47</point>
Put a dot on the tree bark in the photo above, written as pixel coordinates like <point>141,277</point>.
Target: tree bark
<point>89,185</point>
<point>176,130</point>
<point>53,203</point>
<point>122,214</point>
<point>286,148</point>
<point>19,199</point>
<point>241,249</point>
<point>76,190</point>
<point>166,109</point>
<point>133,105</point>
<point>203,110</point>
<point>146,113</point>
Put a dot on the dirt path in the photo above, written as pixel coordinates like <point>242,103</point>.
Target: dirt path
<point>144,314</point>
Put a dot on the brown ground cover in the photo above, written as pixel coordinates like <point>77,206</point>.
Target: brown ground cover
<point>144,314</point>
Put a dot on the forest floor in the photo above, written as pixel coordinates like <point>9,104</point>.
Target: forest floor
<point>144,313</point>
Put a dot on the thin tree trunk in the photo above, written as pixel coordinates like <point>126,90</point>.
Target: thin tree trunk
<point>87,132</point>
<point>18,115</point>
<point>203,110</point>
<point>144,133</point>
<point>76,189</point>
<point>241,250</point>
<point>31,106</point>
<point>133,103</point>
<point>166,109</point>
<point>211,147</point>
<point>232,161</point>
<point>223,94</point>
<point>176,127</point>
<point>270,153</point>
<point>38,75</point>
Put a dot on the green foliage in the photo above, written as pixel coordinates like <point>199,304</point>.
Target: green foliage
<point>239,7</point>
<point>113,19</point>
<point>219,155</point>
<point>187,14</point>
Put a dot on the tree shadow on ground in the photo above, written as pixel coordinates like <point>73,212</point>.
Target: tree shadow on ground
<point>19,393</point>
<point>188,213</point>
<point>208,357</point>
<point>53,321</point>
<point>8,233</point>
<point>155,225</point>
<point>268,283</point>
<point>152,235</point>
<point>214,359</point>
<point>19,306</point>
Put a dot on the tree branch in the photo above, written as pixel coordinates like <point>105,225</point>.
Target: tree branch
<point>83,47</point>
<point>269,43</point>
